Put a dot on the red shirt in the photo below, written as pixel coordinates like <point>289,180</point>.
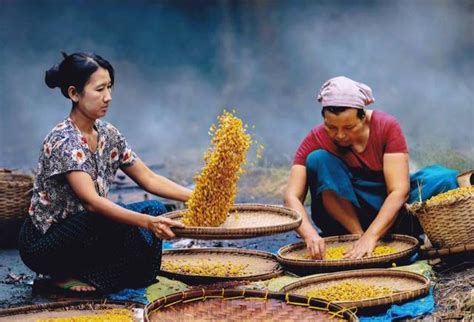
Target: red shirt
<point>385,136</point>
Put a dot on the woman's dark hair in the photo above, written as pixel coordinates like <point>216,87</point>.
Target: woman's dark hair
<point>75,70</point>
<point>339,109</point>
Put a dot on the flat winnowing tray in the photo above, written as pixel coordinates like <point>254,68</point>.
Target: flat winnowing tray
<point>69,310</point>
<point>290,255</point>
<point>406,286</point>
<point>257,265</point>
<point>243,221</point>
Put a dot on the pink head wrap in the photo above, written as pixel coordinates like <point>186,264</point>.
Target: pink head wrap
<point>343,91</point>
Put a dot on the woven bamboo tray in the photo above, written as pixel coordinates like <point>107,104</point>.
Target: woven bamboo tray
<point>407,286</point>
<point>242,305</point>
<point>406,246</point>
<point>67,309</point>
<point>243,221</point>
<point>447,223</point>
<point>259,265</point>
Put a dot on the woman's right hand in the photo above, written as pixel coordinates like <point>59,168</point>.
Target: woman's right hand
<point>315,246</point>
<point>161,227</point>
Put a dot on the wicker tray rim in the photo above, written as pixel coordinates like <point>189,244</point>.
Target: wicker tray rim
<point>277,270</point>
<point>380,301</point>
<point>233,233</point>
<point>418,207</point>
<point>65,305</point>
<point>346,262</point>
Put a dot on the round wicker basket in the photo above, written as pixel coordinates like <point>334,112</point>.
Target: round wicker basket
<point>15,196</point>
<point>447,223</point>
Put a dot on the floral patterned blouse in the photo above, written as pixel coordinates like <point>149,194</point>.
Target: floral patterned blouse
<point>65,149</point>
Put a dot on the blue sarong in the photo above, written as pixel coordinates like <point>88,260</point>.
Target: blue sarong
<point>367,191</point>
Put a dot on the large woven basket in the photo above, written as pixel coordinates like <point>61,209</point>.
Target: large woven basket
<point>15,194</point>
<point>287,255</point>
<point>447,223</point>
<point>68,310</point>
<point>242,305</point>
<point>407,286</point>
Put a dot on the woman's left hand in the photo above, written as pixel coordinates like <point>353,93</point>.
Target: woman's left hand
<point>363,247</point>
<point>161,227</point>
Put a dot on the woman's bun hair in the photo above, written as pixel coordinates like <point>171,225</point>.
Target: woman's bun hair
<point>75,70</point>
<point>52,77</point>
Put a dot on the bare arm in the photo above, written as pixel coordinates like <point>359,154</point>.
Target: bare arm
<point>396,173</point>
<point>295,195</point>
<point>156,184</point>
<point>397,179</point>
<point>83,186</point>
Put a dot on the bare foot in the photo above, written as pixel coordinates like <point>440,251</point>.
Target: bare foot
<point>74,285</point>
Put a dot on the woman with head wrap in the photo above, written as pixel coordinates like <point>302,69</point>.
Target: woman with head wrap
<point>355,166</point>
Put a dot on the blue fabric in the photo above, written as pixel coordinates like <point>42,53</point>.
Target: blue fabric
<point>130,294</point>
<point>327,172</point>
<point>432,180</point>
<point>167,244</point>
<point>365,189</point>
<point>411,309</point>
<point>150,207</point>
<point>413,258</point>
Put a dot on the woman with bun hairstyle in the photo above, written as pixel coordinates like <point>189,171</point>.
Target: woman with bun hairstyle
<point>73,233</point>
<point>355,166</point>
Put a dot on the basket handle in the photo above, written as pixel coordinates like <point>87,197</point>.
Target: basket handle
<point>466,179</point>
<point>415,207</point>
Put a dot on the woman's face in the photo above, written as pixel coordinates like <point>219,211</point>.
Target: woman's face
<point>96,95</point>
<point>344,129</point>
